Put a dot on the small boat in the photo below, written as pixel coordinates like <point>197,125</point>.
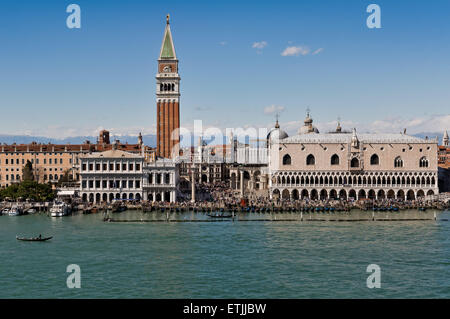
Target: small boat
<point>31,211</point>
<point>118,207</point>
<point>34,239</point>
<point>219,215</point>
<point>59,210</point>
<point>5,211</point>
<point>15,211</point>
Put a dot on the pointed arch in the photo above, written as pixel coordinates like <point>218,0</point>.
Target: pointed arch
<point>310,160</point>
<point>335,159</point>
<point>398,162</point>
<point>287,159</point>
<point>374,160</point>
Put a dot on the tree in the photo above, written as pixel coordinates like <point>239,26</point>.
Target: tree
<point>29,190</point>
<point>65,179</point>
<point>27,172</point>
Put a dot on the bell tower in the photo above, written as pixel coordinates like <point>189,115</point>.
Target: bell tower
<point>167,98</point>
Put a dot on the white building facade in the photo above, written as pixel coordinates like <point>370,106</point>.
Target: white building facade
<point>111,175</point>
<point>343,165</point>
<point>161,181</point>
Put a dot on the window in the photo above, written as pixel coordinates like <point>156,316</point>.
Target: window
<point>105,166</point>
<point>287,159</point>
<point>354,162</point>
<point>97,166</point>
<point>335,159</point>
<point>423,162</point>
<point>97,184</point>
<point>91,166</point>
<point>124,167</point>
<point>138,167</point>
<point>130,166</point>
<point>138,184</point>
<point>374,160</point>
<point>83,166</point>
<point>398,162</point>
<point>130,184</point>
<point>61,161</point>
<point>50,161</point>
<point>111,166</point>
<point>310,160</point>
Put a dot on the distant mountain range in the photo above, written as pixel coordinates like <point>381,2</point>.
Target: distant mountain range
<point>149,140</point>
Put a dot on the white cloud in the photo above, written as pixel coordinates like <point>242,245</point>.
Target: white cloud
<point>317,51</point>
<point>435,124</point>
<point>273,109</point>
<point>259,45</point>
<point>223,43</point>
<point>61,132</point>
<point>296,51</point>
<point>431,123</point>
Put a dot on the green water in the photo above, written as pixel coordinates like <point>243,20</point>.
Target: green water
<point>224,259</point>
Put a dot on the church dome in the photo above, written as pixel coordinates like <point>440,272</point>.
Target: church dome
<point>276,134</point>
<point>308,127</point>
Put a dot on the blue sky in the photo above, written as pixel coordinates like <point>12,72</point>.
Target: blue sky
<point>60,82</point>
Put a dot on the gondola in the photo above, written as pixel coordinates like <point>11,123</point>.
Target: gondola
<point>219,216</point>
<point>34,239</point>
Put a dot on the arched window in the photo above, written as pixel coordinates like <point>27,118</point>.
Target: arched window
<point>374,160</point>
<point>423,162</point>
<point>310,160</point>
<point>287,159</point>
<point>161,87</point>
<point>354,162</point>
<point>173,87</point>
<point>335,160</point>
<point>398,162</point>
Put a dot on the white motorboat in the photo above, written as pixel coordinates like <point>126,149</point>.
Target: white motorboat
<point>15,211</point>
<point>59,210</point>
<point>31,211</point>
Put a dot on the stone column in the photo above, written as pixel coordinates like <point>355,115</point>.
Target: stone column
<point>242,183</point>
<point>192,184</point>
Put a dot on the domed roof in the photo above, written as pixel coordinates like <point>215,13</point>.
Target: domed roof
<point>308,127</point>
<point>276,134</point>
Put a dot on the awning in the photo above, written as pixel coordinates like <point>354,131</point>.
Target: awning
<point>66,193</point>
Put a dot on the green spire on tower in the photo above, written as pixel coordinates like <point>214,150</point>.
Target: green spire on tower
<point>167,48</point>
